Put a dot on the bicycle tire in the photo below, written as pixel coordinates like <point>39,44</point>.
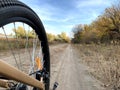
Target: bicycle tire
<point>16,11</point>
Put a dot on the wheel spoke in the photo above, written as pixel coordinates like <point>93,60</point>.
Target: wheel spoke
<point>10,47</point>
<point>34,51</point>
<point>18,46</point>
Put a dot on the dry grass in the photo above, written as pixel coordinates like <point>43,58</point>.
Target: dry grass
<point>13,43</point>
<point>104,62</point>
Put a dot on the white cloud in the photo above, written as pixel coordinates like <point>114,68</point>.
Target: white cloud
<point>50,13</point>
<point>92,3</point>
<point>45,12</point>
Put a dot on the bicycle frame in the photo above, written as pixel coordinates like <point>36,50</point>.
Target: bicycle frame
<point>12,73</point>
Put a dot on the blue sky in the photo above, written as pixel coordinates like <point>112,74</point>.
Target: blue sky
<point>61,15</point>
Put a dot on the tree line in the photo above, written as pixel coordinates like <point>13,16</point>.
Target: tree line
<point>60,38</point>
<point>105,29</point>
<point>20,32</point>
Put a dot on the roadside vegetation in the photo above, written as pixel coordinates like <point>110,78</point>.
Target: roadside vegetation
<point>98,45</point>
<point>20,37</point>
<point>105,29</point>
<point>17,40</point>
<point>103,61</point>
<point>60,38</point>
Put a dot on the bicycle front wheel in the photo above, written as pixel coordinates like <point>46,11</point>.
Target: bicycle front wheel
<point>23,41</point>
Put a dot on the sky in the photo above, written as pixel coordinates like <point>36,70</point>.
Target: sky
<point>62,15</point>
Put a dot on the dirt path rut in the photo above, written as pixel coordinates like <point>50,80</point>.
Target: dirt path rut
<point>67,70</point>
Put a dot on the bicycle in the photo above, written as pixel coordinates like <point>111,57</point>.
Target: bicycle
<point>29,50</point>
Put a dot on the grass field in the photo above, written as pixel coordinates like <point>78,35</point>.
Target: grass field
<point>14,43</point>
<point>104,63</point>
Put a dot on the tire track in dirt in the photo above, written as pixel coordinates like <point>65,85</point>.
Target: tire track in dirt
<point>70,73</point>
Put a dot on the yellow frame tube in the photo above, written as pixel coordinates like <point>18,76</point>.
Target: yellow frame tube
<point>17,75</point>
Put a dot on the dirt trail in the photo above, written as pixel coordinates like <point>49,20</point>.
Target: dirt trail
<point>67,70</point>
